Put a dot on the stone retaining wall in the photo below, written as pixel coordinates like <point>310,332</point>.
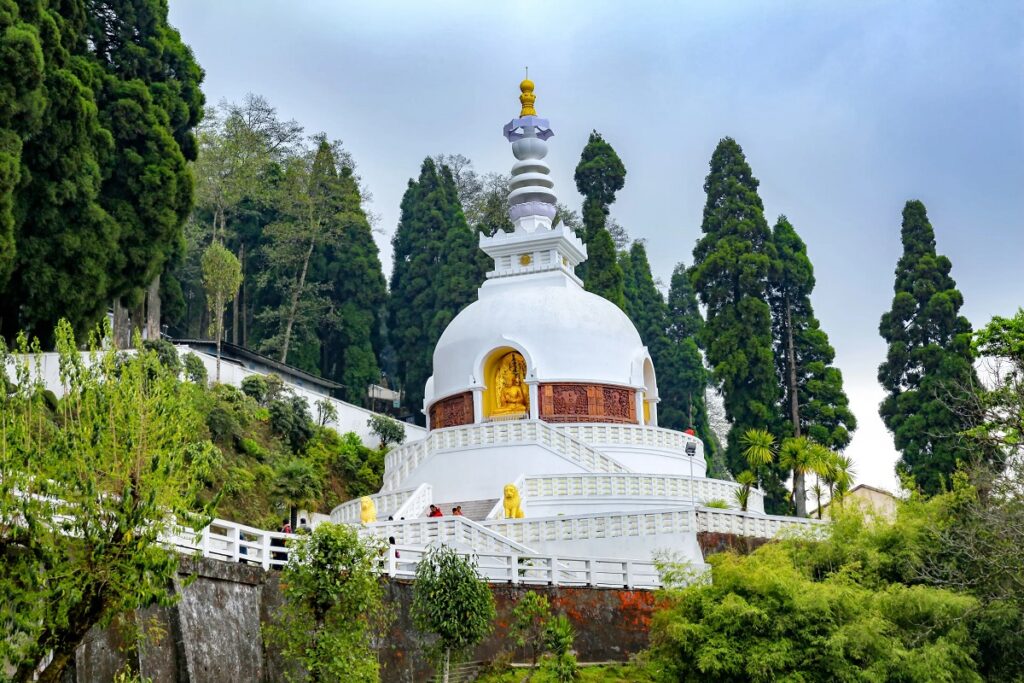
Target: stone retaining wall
<point>213,633</point>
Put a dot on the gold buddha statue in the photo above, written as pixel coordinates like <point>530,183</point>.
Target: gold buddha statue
<point>511,395</point>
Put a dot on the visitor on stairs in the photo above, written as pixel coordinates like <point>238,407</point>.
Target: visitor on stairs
<point>457,510</point>
<point>435,512</point>
<point>391,541</point>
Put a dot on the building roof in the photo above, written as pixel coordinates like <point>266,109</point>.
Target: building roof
<point>242,355</point>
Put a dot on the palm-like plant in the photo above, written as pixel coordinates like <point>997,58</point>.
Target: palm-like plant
<point>746,479</point>
<point>842,477</point>
<point>802,457</point>
<point>759,450</point>
<point>758,447</point>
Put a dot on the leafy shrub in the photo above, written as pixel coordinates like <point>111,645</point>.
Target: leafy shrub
<point>561,663</point>
<point>275,387</point>
<point>290,419</point>
<point>251,448</point>
<point>325,412</point>
<point>255,387</point>
<point>388,430</point>
<point>222,423</point>
<point>195,370</point>
<point>238,482</point>
<point>165,353</point>
<point>529,618</point>
<point>361,467</point>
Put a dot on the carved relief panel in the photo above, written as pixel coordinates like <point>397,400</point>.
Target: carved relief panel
<point>452,411</point>
<point>564,402</point>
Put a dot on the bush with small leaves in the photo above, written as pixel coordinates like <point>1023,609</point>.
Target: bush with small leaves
<point>529,619</point>
<point>388,430</point>
<point>165,352</point>
<point>290,419</point>
<point>195,370</point>
<point>255,387</point>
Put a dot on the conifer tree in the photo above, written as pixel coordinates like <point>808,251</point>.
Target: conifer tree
<point>929,357</point>
<point>599,175</point>
<point>732,261</point>
<point>814,403</point>
<point>100,150</point>
<point>435,275</point>
<point>644,303</point>
<point>682,378</point>
<point>350,332</point>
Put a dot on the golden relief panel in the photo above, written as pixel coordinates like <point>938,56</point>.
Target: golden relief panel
<point>506,395</point>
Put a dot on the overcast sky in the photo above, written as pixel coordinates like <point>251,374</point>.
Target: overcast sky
<point>845,110</point>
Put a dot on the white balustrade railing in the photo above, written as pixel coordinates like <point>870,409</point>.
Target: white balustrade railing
<point>402,460</point>
<point>755,525</point>
<point>595,525</point>
<point>456,531</point>
<point>387,504</point>
<point>631,435</point>
<point>414,504</point>
<point>680,487</point>
<point>232,542</point>
<point>532,568</point>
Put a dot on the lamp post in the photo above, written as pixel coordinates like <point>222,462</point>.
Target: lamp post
<point>691,452</point>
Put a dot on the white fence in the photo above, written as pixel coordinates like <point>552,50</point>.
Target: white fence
<point>232,542</point>
<point>535,569</point>
<point>460,532</point>
<point>404,459</point>
<point>633,435</point>
<point>590,526</point>
<point>669,486</point>
<point>757,526</point>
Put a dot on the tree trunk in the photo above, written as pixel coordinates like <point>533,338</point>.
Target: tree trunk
<point>241,298</point>
<point>799,489</point>
<point>122,332</point>
<point>220,331</point>
<point>447,663</point>
<point>153,309</point>
<point>295,302</point>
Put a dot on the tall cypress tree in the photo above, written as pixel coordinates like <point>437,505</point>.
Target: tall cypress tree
<point>350,332</point>
<point>814,403</point>
<point>104,188</point>
<point>599,175</point>
<point>732,261</point>
<point>435,275</point>
<point>929,358</point>
<point>644,303</point>
<point>682,378</point>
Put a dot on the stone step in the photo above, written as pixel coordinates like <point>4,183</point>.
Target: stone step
<point>475,510</point>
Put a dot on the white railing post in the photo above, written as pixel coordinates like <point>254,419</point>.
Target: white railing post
<point>265,550</point>
<point>629,573</point>
<point>553,579</point>
<point>591,576</point>
<point>514,568</point>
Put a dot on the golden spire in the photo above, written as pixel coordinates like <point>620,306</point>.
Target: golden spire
<point>527,98</point>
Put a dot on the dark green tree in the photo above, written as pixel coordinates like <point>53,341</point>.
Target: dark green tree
<point>645,305</point>
<point>104,188</point>
<point>599,175</point>
<point>929,358</point>
<point>814,402</point>
<point>682,378</point>
<point>435,274</point>
<point>732,262</point>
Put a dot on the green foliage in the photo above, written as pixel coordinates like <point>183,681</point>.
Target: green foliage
<point>87,491</point>
<point>732,262</point>
<point>644,304</point>
<point>604,275</point>
<point>529,619</point>
<point>325,412</point>
<point>255,387</point>
<point>435,274</point>
<point>166,352</point>
<point>95,131</point>
<point>195,369</point>
<point>929,358</point>
<point>561,664</point>
<point>297,483</point>
<point>290,419</point>
<point>814,400</point>
<point>451,602</point>
<point>682,378</point>
<point>599,175</point>
<point>717,503</point>
<point>388,430</point>
<point>333,606</point>
<point>842,609</point>
<point>997,410</point>
<point>222,276</point>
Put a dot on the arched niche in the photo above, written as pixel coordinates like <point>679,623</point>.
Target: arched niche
<point>650,394</point>
<point>506,395</point>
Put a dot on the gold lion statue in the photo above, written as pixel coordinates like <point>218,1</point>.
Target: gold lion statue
<point>512,502</point>
<point>367,510</point>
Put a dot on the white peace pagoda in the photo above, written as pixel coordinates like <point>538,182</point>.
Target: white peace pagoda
<point>543,418</point>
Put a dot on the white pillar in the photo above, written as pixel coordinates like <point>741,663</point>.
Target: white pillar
<point>478,405</point>
<point>534,399</point>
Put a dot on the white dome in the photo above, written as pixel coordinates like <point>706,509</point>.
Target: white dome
<point>563,332</point>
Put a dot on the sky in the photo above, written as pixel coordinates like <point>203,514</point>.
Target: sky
<point>845,111</point>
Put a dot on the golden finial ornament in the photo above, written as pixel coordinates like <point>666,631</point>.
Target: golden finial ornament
<point>527,98</point>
